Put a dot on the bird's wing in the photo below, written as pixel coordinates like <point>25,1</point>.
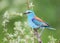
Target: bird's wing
<point>39,22</point>
<point>39,19</point>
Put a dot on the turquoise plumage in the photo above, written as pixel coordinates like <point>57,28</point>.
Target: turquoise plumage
<point>33,22</point>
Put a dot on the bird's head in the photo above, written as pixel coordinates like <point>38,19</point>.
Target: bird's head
<point>29,12</point>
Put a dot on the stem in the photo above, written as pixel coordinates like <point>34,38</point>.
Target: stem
<point>28,4</point>
<point>37,35</point>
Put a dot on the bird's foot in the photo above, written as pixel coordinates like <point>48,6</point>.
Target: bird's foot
<point>40,42</point>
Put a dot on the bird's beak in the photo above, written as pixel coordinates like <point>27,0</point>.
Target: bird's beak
<point>25,13</point>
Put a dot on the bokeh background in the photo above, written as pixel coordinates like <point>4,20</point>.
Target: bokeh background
<point>48,10</point>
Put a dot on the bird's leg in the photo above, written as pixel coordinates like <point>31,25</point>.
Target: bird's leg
<point>37,35</point>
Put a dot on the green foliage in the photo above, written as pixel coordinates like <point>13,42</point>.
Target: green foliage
<point>48,10</point>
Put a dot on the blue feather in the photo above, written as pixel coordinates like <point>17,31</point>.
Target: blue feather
<point>38,23</point>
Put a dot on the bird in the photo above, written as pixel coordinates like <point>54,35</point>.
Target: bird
<point>35,23</point>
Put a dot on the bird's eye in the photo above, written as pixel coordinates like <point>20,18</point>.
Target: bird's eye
<point>29,12</point>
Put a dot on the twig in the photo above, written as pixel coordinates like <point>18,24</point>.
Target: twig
<point>28,4</point>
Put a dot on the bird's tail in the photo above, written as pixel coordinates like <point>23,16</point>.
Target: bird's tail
<point>51,28</point>
<point>48,27</point>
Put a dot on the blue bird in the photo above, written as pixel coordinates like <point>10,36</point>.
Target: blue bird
<point>35,23</point>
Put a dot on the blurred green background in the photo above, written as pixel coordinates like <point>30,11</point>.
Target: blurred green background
<point>48,10</point>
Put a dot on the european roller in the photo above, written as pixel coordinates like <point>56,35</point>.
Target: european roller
<point>35,22</point>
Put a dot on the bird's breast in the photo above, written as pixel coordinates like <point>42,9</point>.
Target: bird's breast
<point>31,24</point>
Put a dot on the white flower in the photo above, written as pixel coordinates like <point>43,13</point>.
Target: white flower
<point>23,40</point>
<point>5,39</point>
<point>17,24</point>
<point>22,31</point>
<point>6,15</point>
<point>16,33</point>
<point>21,14</point>
<point>18,28</point>
<point>14,28</point>
<point>25,23</point>
<point>4,30</point>
<point>31,5</point>
<point>27,36</point>
<point>18,38</point>
<point>4,22</point>
<point>9,35</point>
<point>32,32</point>
<point>52,39</point>
<point>12,41</point>
<point>32,38</point>
<point>17,14</point>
